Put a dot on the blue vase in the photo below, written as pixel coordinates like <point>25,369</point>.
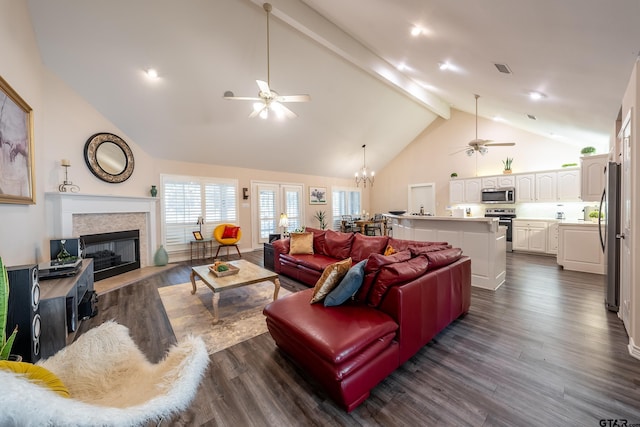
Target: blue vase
<point>161,257</point>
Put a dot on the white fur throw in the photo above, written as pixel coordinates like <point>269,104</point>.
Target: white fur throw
<point>110,381</point>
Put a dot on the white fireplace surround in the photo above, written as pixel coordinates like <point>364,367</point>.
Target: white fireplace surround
<point>60,208</point>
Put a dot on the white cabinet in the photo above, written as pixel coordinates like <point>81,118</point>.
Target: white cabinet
<point>579,248</point>
<point>465,191</point>
<point>552,238</point>
<point>530,236</point>
<point>525,188</point>
<point>568,185</point>
<point>545,187</point>
<point>499,181</point>
<point>593,177</point>
<point>473,190</point>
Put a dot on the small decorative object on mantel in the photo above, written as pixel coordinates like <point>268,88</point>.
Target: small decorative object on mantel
<point>161,257</point>
<point>67,185</point>
<point>507,165</point>
<point>588,150</point>
<point>153,191</point>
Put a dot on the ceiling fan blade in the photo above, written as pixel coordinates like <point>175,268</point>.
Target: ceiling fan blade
<point>242,98</point>
<point>496,144</point>
<point>264,87</point>
<point>294,98</point>
<point>281,110</point>
<point>459,151</point>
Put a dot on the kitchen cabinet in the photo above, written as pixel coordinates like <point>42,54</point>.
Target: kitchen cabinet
<point>499,181</point>
<point>465,191</point>
<point>593,177</point>
<point>530,235</point>
<point>525,187</point>
<point>545,187</point>
<point>579,248</point>
<point>456,191</point>
<point>552,238</point>
<point>568,185</point>
<point>473,190</point>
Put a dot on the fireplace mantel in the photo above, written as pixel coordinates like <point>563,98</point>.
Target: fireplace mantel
<point>60,208</point>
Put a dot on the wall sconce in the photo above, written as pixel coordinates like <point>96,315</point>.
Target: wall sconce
<point>67,185</point>
<point>245,193</point>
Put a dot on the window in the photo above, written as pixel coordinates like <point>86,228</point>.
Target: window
<point>186,198</point>
<point>346,201</point>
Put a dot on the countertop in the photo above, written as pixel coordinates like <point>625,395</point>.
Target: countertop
<point>443,218</point>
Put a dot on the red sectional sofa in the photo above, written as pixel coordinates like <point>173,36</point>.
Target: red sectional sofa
<point>348,349</point>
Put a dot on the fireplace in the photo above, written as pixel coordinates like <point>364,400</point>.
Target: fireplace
<point>113,253</point>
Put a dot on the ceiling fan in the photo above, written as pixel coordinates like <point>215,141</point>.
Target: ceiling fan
<point>480,145</point>
<point>268,99</point>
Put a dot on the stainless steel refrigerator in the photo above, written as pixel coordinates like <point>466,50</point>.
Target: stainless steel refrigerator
<point>609,227</point>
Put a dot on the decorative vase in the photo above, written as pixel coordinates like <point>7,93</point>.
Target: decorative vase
<point>154,191</point>
<point>506,171</point>
<point>161,257</point>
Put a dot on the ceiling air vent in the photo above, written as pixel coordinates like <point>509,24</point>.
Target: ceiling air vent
<point>503,68</point>
<point>532,117</point>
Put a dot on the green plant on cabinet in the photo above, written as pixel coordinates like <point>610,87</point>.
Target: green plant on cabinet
<point>588,150</point>
<point>507,163</point>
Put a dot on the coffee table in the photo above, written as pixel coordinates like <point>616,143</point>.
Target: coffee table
<point>249,274</point>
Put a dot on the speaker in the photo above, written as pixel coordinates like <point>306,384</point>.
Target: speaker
<point>24,311</point>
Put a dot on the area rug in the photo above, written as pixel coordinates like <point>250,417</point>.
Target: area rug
<point>239,309</point>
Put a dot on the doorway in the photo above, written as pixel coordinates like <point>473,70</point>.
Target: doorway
<point>273,200</point>
<point>422,198</point>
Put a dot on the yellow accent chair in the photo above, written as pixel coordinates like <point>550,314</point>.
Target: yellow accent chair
<point>227,235</point>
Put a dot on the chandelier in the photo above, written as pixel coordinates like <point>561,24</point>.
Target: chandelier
<point>364,176</point>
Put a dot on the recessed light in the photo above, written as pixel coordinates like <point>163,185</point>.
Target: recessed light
<point>402,67</point>
<point>499,119</point>
<point>152,73</point>
<point>416,31</point>
<point>535,95</point>
<point>444,65</point>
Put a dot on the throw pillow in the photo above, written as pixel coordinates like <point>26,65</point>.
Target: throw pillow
<point>36,374</point>
<point>373,266</point>
<point>338,245</point>
<point>301,243</point>
<point>389,250</point>
<point>362,246</point>
<point>394,275</point>
<point>347,287</point>
<point>230,232</point>
<point>331,276</point>
<point>444,257</point>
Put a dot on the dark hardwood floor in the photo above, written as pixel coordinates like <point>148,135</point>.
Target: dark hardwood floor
<point>541,350</point>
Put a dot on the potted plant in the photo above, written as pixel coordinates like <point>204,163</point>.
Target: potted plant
<point>321,216</point>
<point>594,216</point>
<point>5,343</point>
<point>507,165</point>
<point>588,150</point>
<point>454,175</point>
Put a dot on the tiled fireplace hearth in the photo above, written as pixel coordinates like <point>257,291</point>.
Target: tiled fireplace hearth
<point>74,215</point>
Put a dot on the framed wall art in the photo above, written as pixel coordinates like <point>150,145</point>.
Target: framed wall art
<point>17,171</point>
<point>317,195</point>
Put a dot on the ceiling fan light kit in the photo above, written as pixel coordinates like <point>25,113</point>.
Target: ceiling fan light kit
<point>269,100</point>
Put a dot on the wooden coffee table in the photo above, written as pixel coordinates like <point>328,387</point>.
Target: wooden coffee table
<point>249,274</point>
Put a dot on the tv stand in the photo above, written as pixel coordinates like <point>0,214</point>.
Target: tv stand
<point>59,299</point>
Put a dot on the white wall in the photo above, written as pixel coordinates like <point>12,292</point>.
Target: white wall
<point>428,158</point>
<point>21,226</point>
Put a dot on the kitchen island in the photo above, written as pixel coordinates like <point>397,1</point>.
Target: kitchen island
<point>482,239</point>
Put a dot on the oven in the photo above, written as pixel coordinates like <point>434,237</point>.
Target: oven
<point>505,217</point>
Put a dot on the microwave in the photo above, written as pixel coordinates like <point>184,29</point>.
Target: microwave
<point>499,195</point>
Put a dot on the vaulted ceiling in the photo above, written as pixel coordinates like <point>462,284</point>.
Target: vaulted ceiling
<point>371,82</point>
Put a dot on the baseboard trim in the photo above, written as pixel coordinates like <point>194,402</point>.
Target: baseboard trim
<point>634,350</point>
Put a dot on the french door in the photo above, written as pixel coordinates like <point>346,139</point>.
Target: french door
<point>275,199</point>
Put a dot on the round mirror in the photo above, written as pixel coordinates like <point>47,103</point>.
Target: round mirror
<point>109,157</point>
